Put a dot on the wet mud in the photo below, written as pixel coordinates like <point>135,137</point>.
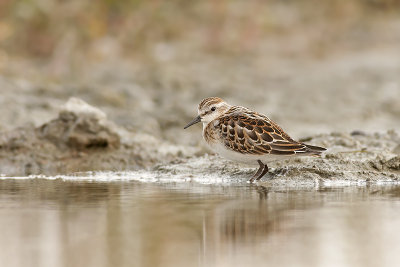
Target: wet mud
<point>81,138</point>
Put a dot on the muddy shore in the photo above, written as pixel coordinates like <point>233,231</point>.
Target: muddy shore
<point>82,139</point>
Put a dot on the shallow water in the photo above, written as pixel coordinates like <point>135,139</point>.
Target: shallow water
<point>130,223</point>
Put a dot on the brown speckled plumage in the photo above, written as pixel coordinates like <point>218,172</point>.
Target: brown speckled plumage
<point>247,132</point>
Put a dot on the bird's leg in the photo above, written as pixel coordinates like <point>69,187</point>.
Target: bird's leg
<point>259,172</point>
<point>265,170</point>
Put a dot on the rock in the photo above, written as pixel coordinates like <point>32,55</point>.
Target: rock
<point>80,126</point>
<point>393,163</point>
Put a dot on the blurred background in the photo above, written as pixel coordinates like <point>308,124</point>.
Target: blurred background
<point>312,66</point>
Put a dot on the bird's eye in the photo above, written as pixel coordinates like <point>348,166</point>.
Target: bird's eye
<point>213,109</point>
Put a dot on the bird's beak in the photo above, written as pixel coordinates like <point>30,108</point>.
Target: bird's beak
<point>196,120</point>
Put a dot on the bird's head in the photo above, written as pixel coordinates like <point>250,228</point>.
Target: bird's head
<point>209,109</point>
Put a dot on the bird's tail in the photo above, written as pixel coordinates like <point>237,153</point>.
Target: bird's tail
<point>315,150</point>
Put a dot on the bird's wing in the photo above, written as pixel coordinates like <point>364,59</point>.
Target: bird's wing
<point>254,133</point>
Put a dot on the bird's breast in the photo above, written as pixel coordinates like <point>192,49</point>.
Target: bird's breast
<point>209,133</point>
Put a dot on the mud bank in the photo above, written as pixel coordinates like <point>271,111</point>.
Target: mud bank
<point>82,139</point>
<point>354,158</point>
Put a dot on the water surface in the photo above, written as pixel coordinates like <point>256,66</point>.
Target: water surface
<point>130,223</point>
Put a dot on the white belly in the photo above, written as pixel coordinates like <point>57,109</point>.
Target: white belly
<point>244,158</point>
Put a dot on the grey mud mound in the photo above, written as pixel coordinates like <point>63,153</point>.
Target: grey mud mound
<point>79,139</point>
<point>351,158</point>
